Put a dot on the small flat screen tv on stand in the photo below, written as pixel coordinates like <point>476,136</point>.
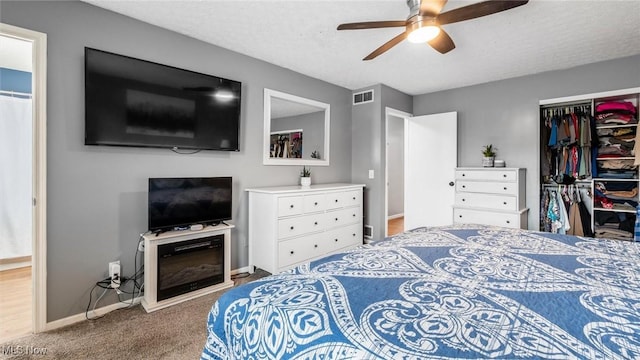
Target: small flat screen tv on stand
<point>178,203</point>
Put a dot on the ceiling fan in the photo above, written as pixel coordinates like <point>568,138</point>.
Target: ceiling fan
<point>425,21</point>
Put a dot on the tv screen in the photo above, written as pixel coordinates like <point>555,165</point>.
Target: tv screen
<point>132,102</point>
<point>180,202</point>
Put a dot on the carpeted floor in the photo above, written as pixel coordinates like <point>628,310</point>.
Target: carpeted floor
<point>176,332</point>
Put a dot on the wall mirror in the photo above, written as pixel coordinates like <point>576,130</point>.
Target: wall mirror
<point>296,130</point>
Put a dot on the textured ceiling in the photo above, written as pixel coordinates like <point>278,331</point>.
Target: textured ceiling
<point>301,35</point>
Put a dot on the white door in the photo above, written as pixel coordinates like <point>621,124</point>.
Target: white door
<point>431,156</point>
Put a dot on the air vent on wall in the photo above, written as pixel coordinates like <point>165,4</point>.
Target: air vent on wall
<point>368,232</point>
<point>363,97</point>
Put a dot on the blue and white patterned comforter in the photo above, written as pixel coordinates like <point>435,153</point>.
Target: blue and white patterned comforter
<point>464,292</point>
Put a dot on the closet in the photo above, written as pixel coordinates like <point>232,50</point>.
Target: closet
<point>588,167</point>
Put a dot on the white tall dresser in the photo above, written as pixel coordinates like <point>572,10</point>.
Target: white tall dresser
<point>289,225</point>
<point>490,196</point>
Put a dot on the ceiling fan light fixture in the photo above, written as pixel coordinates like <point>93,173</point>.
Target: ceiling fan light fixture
<point>422,34</point>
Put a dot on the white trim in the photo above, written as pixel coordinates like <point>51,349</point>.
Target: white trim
<point>246,269</point>
<point>395,216</point>
<point>73,319</point>
<point>15,265</point>
<point>266,159</point>
<point>39,256</point>
<point>590,96</point>
<point>387,113</point>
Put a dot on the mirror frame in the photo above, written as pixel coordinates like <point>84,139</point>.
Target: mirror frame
<point>266,159</point>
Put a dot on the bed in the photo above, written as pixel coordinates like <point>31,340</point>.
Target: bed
<point>459,292</point>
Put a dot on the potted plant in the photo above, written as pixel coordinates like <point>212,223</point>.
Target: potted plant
<point>305,177</point>
<point>489,155</point>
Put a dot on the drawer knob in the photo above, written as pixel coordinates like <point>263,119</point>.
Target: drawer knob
<point>354,215</point>
<point>464,186</point>
<point>459,216</point>
<point>505,203</point>
<point>336,240</point>
<point>354,234</point>
<point>354,198</point>
<point>292,228</point>
<point>336,200</point>
<point>504,175</point>
<point>451,183</point>
<point>291,252</point>
<point>463,174</point>
<point>315,246</point>
<point>291,206</point>
<point>505,188</point>
<point>336,219</point>
<point>315,223</point>
<point>315,203</point>
<point>463,199</point>
<point>508,222</point>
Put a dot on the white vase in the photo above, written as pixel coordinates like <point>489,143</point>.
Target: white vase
<point>305,181</point>
<point>487,161</point>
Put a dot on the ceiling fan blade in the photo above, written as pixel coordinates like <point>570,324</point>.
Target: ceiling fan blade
<point>386,46</point>
<point>431,7</point>
<point>442,43</point>
<point>478,10</point>
<point>371,25</point>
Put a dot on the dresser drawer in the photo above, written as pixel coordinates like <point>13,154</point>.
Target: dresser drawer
<point>487,175</point>
<point>301,225</point>
<point>313,203</point>
<point>347,236</point>
<point>289,205</point>
<point>468,216</point>
<point>301,249</point>
<point>343,199</point>
<point>494,202</point>
<point>343,217</point>
<point>487,187</point>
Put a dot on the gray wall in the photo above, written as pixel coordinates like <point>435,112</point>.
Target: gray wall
<point>97,196</point>
<point>506,113</point>
<point>395,166</point>
<point>312,126</point>
<point>368,124</point>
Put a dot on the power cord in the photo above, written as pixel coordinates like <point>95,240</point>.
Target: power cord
<point>105,284</point>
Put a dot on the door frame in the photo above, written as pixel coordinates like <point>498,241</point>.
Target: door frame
<point>388,113</point>
<point>39,163</point>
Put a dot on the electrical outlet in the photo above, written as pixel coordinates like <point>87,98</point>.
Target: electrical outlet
<point>141,246</point>
<point>114,274</point>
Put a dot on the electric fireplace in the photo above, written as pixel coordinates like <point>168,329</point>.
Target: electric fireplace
<point>190,265</point>
<point>180,265</point>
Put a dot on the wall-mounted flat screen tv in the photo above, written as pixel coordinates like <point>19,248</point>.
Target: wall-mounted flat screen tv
<point>132,102</point>
<point>180,202</point>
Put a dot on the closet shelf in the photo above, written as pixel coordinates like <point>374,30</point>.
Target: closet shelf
<point>618,158</point>
<point>615,126</point>
<point>615,210</point>
<point>614,179</point>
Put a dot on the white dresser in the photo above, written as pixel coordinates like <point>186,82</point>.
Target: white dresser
<point>289,225</point>
<point>490,196</point>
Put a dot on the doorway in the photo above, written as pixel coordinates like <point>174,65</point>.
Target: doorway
<point>22,182</point>
<point>394,170</point>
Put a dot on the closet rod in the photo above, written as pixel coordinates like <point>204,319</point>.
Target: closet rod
<point>565,104</point>
<point>14,93</point>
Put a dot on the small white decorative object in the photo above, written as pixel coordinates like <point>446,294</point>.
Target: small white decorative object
<point>489,155</point>
<point>305,177</point>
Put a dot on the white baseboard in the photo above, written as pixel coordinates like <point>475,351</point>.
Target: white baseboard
<point>391,217</point>
<point>109,308</point>
<point>81,317</point>
<point>16,265</point>
<point>241,270</point>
